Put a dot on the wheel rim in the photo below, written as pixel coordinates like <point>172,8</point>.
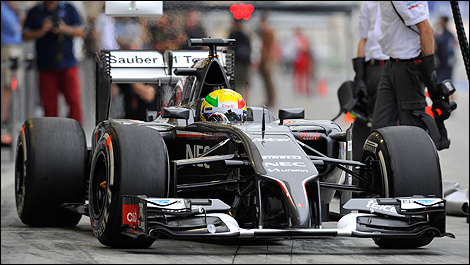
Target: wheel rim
<point>376,188</point>
<point>20,170</point>
<point>99,193</point>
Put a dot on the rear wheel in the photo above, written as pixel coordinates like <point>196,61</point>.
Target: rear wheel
<point>408,164</point>
<point>50,170</point>
<point>128,160</point>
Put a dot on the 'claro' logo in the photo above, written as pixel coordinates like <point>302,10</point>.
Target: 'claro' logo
<point>130,214</point>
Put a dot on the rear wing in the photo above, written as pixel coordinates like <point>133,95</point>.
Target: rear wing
<point>145,66</point>
<point>149,66</point>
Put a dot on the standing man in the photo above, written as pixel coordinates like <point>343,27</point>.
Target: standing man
<point>368,66</point>
<point>53,25</point>
<point>445,45</point>
<point>266,63</point>
<point>303,64</point>
<point>193,29</point>
<point>11,47</point>
<point>409,41</point>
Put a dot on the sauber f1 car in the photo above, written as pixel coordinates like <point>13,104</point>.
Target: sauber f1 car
<point>205,167</point>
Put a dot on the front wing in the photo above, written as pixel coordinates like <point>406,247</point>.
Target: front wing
<point>209,218</point>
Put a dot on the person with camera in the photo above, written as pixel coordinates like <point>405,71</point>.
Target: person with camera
<point>53,25</point>
<point>407,37</point>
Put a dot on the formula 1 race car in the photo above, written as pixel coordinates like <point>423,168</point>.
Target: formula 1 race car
<point>205,165</point>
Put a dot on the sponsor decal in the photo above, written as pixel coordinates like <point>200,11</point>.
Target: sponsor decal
<point>161,202</point>
<point>271,139</point>
<point>426,201</point>
<point>281,157</point>
<point>196,151</point>
<point>132,60</point>
<point>412,5</point>
<point>419,203</point>
<point>199,136</point>
<point>370,146</point>
<point>373,205</point>
<point>148,59</point>
<point>186,59</point>
<point>165,202</point>
<point>287,170</point>
<point>284,164</point>
<point>308,135</point>
<point>229,105</point>
<point>130,215</point>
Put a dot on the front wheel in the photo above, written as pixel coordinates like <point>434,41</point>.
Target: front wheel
<point>128,160</point>
<point>50,168</point>
<point>408,164</point>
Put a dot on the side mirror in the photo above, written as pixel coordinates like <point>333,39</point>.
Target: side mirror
<point>249,114</point>
<point>290,114</point>
<point>176,113</point>
<point>346,98</point>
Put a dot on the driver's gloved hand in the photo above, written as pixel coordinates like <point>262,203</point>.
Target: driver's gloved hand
<point>427,70</point>
<point>359,88</point>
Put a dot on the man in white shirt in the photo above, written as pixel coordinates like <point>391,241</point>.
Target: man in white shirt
<point>368,66</point>
<point>408,39</point>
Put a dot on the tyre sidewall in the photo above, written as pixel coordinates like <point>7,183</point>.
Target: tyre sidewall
<point>100,224</point>
<point>374,149</point>
<point>50,171</point>
<point>408,159</point>
<point>114,149</point>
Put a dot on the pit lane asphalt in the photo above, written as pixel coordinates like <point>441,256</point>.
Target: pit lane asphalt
<point>24,244</point>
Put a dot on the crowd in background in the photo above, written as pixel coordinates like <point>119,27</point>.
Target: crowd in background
<point>172,31</point>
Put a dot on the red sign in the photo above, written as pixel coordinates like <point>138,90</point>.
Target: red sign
<point>130,215</point>
<point>242,11</point>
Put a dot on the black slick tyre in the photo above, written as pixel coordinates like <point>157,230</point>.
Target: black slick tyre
<point>127,160</point>
<point>50,168</point>
<point>408,165</point>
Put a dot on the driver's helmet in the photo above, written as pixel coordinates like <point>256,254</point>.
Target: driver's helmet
<point>226,102</point>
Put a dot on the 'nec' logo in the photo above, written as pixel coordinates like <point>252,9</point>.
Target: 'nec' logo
<point>242,11</point>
